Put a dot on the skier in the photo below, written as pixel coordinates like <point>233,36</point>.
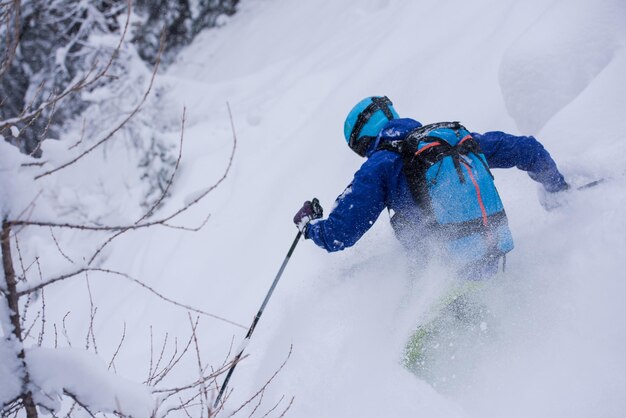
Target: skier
<point>373,129</point>
<point>436,182</point>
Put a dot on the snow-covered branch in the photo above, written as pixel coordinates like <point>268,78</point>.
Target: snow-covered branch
<point>56,378</point>
<point>94,75</point>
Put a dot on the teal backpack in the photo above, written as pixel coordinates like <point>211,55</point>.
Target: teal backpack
<point>450,180</point>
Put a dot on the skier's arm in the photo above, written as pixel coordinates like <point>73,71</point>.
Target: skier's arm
<point>355,210</point>
<point>503,150</point>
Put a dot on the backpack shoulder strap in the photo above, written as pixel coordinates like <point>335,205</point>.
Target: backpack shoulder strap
<point>420,151</point>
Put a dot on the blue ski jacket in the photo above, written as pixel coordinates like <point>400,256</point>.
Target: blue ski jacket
<point>380,183</point>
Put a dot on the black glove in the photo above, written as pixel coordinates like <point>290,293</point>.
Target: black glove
<point>309,211</point>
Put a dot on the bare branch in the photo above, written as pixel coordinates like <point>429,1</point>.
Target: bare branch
<point>163,221</point>
<point>67,338</point>
<point>92,315</point>
<point>20,258</point>
<point>126,276</point>
<point>262,389</point>
<point>84,82</point>
<point>158,377</point>
<point>288,407</point>
<point>274,407</point>
<point>158,202</point>
<point>51,281</point>
<point>75,399</point>
<point>59,247</point>
<point>204,398</point>
<point>176,166</point>
<point>214,374</point>
<point>13,35</point>
<point>119,346</point>
<point>258,404</point>
<point>82,136</point>
<point>118,127</point>
<point>31,205</point>
<point>43,319</point>
<point>163,347</point>
<point>28,331</point>
<point>182,406</point>
<point>43,135</point>
<point>170,365</point>
<point>150,374</point>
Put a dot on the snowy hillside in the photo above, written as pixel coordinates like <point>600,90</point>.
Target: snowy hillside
<point>290,72</point>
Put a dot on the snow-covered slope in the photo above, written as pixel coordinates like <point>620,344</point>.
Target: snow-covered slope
<point>291,71</point>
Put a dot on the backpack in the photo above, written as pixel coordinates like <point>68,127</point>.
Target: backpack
<point>450,181</point>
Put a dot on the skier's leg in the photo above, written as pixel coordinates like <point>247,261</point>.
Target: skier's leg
<point>457,310</point>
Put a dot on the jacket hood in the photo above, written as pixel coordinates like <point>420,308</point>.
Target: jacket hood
<point>393,130</point>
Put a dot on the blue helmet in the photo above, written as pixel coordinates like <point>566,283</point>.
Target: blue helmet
<point>366,120</point>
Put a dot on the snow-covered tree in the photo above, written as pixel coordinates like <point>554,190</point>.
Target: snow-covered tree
<point>58,218</point>
<point>54,49</point>
<point>181,19</point>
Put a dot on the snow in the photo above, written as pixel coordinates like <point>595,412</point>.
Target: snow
<point>56,371</point>
<point>10,370</point>
<point>11,200</point>
<point>291,71</point>
<point>545,69</point>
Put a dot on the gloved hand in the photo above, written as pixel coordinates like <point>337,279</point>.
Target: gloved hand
<point>553,200</point>
<point>309,211</point>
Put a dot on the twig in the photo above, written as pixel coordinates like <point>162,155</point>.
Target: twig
<point>119,346</point>
<point>149,212</point>
<point>42,137</point>
<point>126,276</point>
<point>28,331</point>
<point>19,255</point>
<point>262,389</point>
<point>168,367</point>
<point>163,346</point>
<point>70,412</point>
<point>189,229</point>
<point>162,221</point>
<point>182,406</point>
<point>59,247</point>
<point>204,399</point>
<point>82,136</point>
<point>119,126</point>
<point>92,316</point>
<point>258,404</point>
<point>158,377</point>
<point>12,41</point>
<point>67,338</point>
<point>84,82</point>
<point>274,407</point>
<point>216,373</point>
<point>288,407</point>
<point>30,205</point>
<point>150,375</point>
<point>75,399</point>
<point>176,166</point>
<point>43,319</point>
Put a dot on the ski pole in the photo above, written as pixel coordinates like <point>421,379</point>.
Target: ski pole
<point>590,184</point>
<point>246,340</point>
